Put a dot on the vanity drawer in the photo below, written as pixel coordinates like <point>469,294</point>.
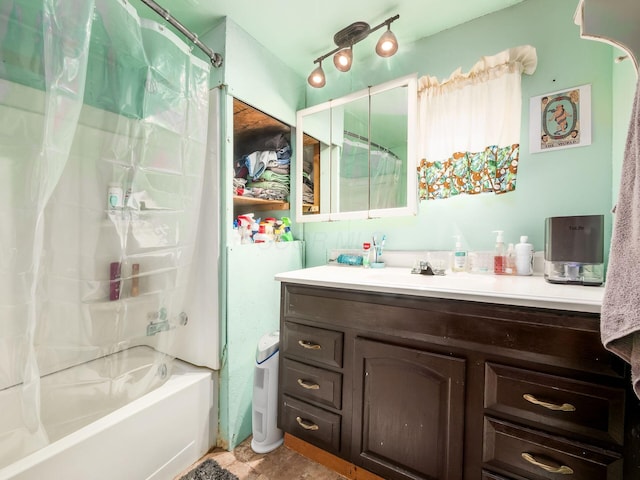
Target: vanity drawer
<point>534,455</point>
<point>312,383</point>
<point>311,424</point>
<point>313,344</point>
<point>585,409</point>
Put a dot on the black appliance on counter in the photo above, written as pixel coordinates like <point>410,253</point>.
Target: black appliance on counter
<point>574,250</point>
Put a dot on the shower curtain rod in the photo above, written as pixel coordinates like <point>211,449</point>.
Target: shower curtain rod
<point>216,58</point>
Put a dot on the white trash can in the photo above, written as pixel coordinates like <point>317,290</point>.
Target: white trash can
<point>266,434</point>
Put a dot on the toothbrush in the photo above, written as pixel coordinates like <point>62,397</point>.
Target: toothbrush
<point>378,247</point>
<point>381,247</point>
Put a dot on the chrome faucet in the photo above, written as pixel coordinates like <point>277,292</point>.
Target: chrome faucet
<point>158,322</point>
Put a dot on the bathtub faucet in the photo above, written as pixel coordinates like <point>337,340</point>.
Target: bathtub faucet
<point>159,321</point>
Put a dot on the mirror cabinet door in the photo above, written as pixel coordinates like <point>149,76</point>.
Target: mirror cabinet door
<point>356,155</point>
<point>313,164</point>
<point>350,154</point>
<point>393,126</point>
<point>388,149</point>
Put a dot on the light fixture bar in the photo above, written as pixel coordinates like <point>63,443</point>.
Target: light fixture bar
<point>387,22</point>
<point>352,34</point>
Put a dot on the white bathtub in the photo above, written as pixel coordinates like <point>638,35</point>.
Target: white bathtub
<point>154,437</point>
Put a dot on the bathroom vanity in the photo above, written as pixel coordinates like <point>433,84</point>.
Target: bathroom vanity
<point>456,377</point>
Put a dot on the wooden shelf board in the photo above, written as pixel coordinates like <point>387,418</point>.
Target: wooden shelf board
<point>248,120</point>
<point>260,203</point>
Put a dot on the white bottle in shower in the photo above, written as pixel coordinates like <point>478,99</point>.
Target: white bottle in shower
<point>114,197</point>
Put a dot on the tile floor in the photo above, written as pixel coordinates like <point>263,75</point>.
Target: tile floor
<point>280,464</point>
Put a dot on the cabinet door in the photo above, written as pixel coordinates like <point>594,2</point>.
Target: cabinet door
<point>408,412</point>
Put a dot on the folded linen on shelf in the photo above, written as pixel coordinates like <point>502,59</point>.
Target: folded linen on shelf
<point>257,162</point>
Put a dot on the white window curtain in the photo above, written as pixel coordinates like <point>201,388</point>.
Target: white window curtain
<point>469,126</point>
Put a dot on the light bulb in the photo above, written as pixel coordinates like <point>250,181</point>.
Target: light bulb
<point>387,45</point>
<point>317,78</point>
<point>343,59</point>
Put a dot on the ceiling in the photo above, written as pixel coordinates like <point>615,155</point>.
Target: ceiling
<point>299,31</point>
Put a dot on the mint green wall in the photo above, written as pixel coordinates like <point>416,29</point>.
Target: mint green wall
<point>260,78</point>
<point>565,182</point>
<point>253,307</point>
<point>249,294</point>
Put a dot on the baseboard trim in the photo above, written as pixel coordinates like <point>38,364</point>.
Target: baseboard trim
<point>329,460</point>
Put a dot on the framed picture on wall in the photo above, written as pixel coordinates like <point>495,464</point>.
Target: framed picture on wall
<point>560,119</point>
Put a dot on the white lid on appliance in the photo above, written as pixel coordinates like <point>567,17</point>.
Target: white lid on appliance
<point>267,346</point>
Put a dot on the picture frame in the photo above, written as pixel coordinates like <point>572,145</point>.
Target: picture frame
<point>560,119</point>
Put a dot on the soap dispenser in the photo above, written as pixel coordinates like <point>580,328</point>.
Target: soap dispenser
<point>459,256</point>
<point>499,259</point>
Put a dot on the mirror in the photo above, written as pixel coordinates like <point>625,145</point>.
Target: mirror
<point>356,155</point>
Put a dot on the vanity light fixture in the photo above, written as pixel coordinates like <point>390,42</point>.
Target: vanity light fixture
<point>388,44</point>
<point>343,59</point>
<point>317,78</point>
<point>345,39</point>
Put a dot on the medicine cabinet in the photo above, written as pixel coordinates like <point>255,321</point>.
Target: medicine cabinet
<point>355,155</point>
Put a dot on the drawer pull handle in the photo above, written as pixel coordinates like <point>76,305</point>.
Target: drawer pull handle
<point>562,469</point>
<point>305,425</point>
<point>309,345</point>
<point>308,385</point>
<point>565,407</point>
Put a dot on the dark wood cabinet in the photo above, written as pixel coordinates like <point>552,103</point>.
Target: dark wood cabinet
<point>533,454</point>
<point>415,388</point>
<point>407,411</point>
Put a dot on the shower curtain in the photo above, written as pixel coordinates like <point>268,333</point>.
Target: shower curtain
<point>103,125</point>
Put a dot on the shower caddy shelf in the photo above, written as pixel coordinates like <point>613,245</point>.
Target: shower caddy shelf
<point>132,214</point>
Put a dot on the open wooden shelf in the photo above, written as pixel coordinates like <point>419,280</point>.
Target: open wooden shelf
<point>308,208</point>
<point>249,122</point>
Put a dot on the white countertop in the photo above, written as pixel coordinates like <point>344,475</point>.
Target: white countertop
<point>531,291</point>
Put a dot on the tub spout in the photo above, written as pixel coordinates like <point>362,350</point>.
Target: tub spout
<point>159,321</point>
<point>157,327</point>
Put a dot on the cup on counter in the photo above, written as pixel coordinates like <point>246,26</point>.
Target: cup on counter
<point>481,262</point>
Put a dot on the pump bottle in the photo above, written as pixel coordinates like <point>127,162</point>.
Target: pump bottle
<point>499,259</point>
<point>459,256</point>
<point>524,257</point>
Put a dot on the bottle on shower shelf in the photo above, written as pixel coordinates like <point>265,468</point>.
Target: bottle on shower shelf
<point>135,271</point>
<point>114,197</point>
<point>114,281</point>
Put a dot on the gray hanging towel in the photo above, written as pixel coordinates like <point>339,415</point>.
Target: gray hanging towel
<point>620,316</point>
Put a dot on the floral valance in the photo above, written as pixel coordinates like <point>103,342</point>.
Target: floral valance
<point>469,126</point>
